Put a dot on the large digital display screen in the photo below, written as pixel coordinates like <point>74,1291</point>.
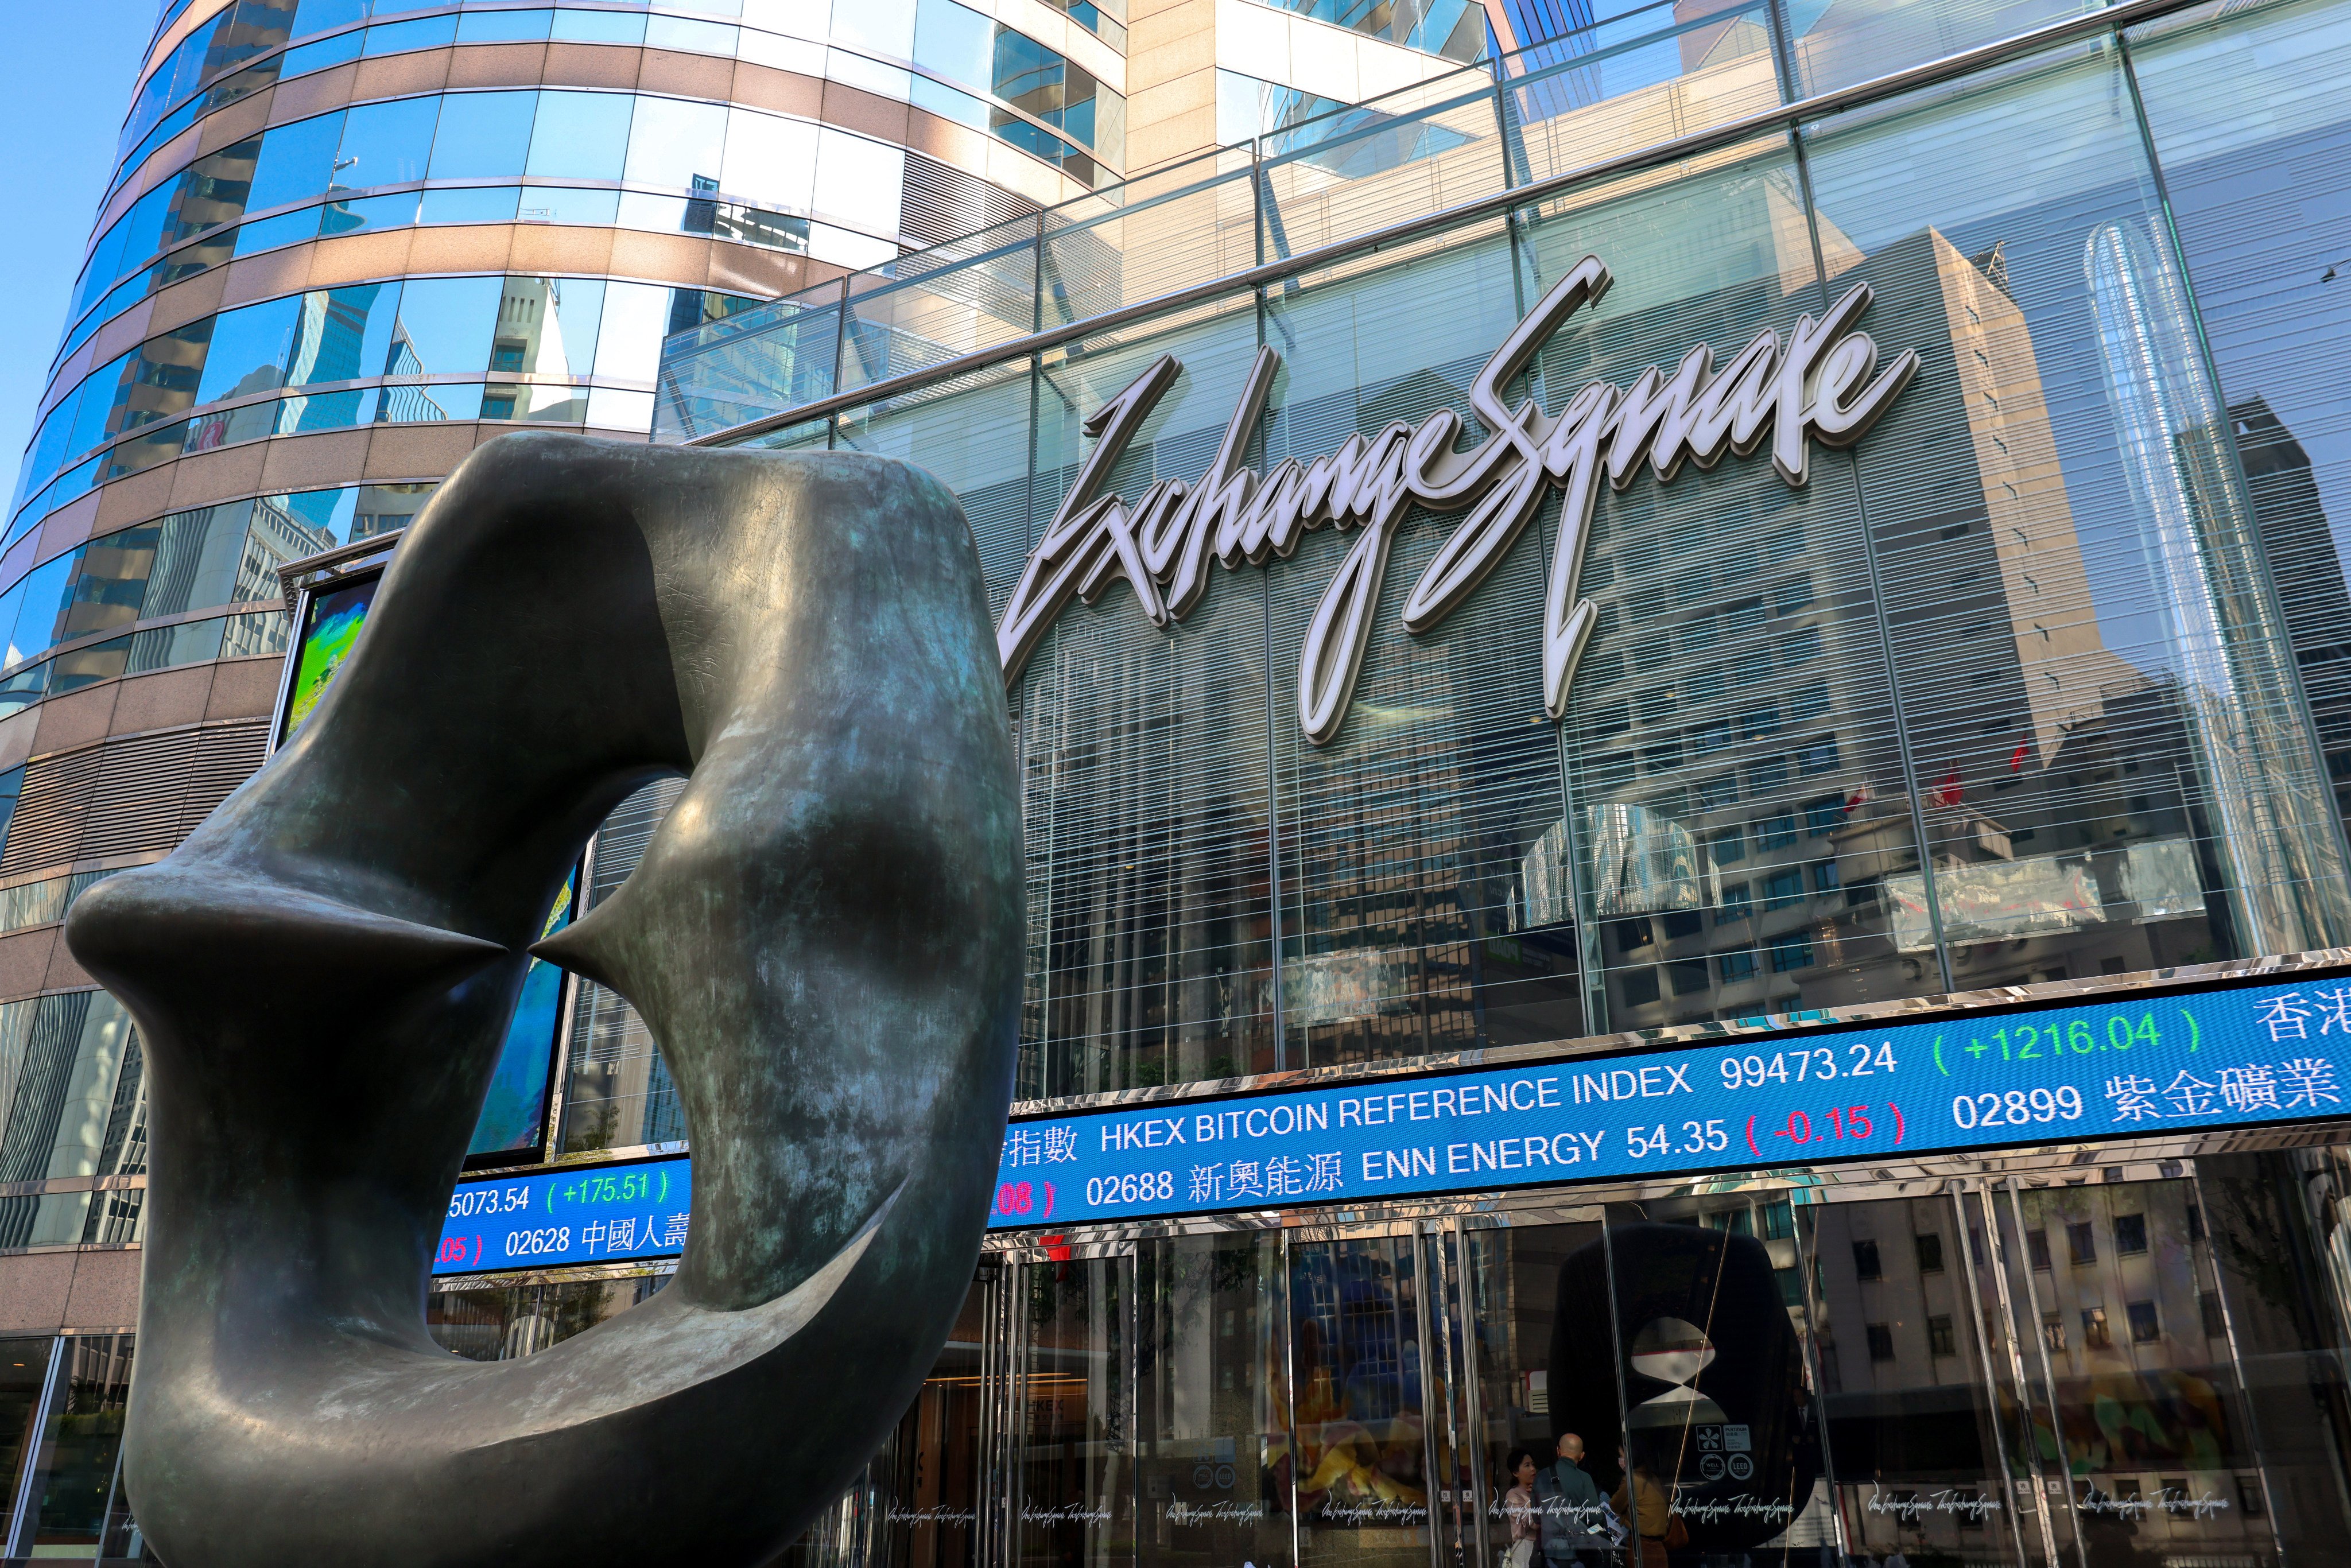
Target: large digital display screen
<point>583,1214</point>
<point>2124,1065</point>
<point>331,620</point>
<point>2128,1065</point>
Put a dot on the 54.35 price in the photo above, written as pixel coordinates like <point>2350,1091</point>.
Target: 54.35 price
<point>1696,1138</point>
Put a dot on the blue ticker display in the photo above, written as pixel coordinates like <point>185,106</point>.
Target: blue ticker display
<point>580,1214</point>
<point>2127,1064</point>
<point>2130,1064</point>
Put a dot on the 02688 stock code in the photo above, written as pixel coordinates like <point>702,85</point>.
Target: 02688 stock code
<point>1142,1186</point>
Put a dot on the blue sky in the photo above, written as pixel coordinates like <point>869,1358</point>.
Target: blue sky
<point>65,102</point>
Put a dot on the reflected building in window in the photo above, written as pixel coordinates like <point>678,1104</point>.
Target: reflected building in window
<point>2306,567</point>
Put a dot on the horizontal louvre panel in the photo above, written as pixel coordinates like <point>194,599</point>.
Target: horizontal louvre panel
<point>139,795</point>
<point>136,803</point>
<point>226,755</point>
<point>49,812</point>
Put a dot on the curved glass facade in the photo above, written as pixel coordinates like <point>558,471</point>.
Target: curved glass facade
<point>560,339</point>
<point>344,244</point>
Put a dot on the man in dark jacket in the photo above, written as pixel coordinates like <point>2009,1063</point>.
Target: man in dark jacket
<point>1574,1518</point>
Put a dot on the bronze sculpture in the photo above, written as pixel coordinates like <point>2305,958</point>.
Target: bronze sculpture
<point>824,937</point>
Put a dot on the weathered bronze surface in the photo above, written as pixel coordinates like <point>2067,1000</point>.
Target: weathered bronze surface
<point>824,937</point>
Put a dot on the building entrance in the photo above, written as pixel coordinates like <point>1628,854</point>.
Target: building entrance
<point>2110,1359</point>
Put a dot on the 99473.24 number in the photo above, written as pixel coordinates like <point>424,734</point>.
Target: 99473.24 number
<point>1819,1064</point>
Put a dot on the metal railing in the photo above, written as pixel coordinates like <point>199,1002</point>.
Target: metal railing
<point>1462,146</point>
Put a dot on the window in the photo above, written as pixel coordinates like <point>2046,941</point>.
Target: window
<point>2216,1323</point>
<point>1778,1220</point>
<point>1939,1340</point>
<point>2145,1325</point>
<point>1792,595</point>
<point>1717,792</point>
<point>1931,1253</point>
<point>1825,876</point>
<point>483,135</point>
<point>2096,1335</point>
<point>1793,951</point>
<point>1729,846</point>
<point>1683,922</point>
<point>2082,1243</point>
<point>2130,1234</point>
<point>1632,935</point>
<point>1639,988</point>
<point>1738,903</point>
<point>1823,816</point>
<point>1759,721</point>
<point>2036,1242</point>
<point>1808,703</point>
<point>1688,976</point>
<point>1776,833</point>
<point>2053,1329</point>
<point>1783,888</point>
<point>1864,1261</point>
<point>2249,1496</point>
<point>1881,1343</point>
<point>1740,966</point>
<point>1801,646</point>
<point>1818,755</point>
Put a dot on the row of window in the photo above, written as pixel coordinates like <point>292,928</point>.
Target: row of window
<point>240,636</point>
<point>2081,1246</point>
<point>764,162</point>
<point>1782,954</point>
<point>771,32</point>
<point>1453,28</point>
<point>679,144</point>
<point>563,327</point>
<point>188,561</point>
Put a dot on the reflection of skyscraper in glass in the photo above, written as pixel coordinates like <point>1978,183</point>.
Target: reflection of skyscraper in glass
<point>529,341</point>
<point>329,335</point>
<point>409,405</point>
<point>2309,571</point>
<point>2227,650</point>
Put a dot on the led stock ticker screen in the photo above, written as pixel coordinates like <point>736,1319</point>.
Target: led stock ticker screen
<point>580,1214</point>
<point>2129,1064</point>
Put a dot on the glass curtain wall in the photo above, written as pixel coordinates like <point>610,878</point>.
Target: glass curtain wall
<point>2010,692</point>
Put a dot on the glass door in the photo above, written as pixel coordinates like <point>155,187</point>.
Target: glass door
<point>2136,1366</point>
